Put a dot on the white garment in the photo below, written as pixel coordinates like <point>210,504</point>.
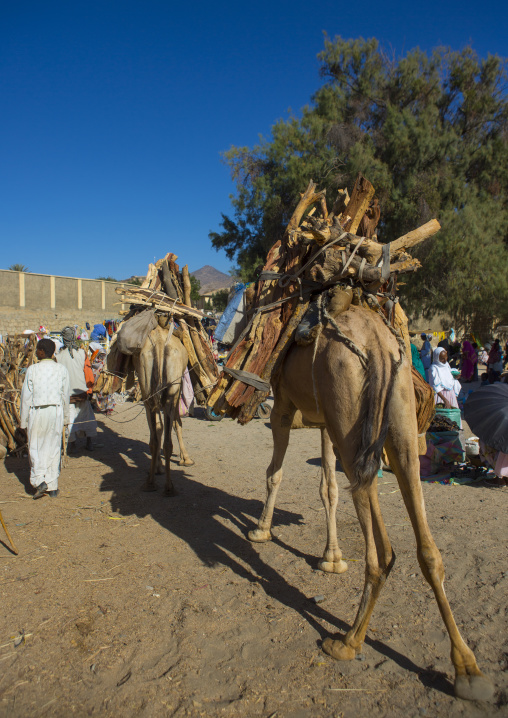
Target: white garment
<point>75,365</point>
<point>82,421</point>
<point>44,408</point>
<point>440,375</point>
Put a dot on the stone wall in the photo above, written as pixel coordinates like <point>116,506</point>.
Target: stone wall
<point>28,301</point>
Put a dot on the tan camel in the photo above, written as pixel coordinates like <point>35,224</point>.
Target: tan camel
<point>364,406</point>
<point>160,366</point>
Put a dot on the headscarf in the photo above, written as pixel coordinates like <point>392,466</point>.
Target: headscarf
<point>69,339</point>
<point>441,377</point>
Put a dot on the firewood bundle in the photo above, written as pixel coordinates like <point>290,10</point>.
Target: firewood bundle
<point>16,355</point>
<point>167,290</point>
<point>319,250</point>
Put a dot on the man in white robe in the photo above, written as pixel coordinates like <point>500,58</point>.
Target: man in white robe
<point>82,418</point>
<point>44,411</point>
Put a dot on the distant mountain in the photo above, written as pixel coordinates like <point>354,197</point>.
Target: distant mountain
<point>212,280</point>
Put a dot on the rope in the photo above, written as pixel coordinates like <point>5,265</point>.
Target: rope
<point>345,339</point>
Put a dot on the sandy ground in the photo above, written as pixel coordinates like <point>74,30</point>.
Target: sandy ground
<point>134,604</point>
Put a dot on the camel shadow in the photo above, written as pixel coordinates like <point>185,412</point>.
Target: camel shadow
<point>224,520</point>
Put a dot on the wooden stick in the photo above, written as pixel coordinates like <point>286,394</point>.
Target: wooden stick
<point>8,534</point>
<point>415,236</point>
<point>361,196</point>
<point>187,287</point>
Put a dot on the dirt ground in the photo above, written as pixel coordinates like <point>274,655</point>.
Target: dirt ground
<point>123,603</point>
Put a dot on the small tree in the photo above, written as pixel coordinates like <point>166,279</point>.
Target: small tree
<point>107,279</point>
<point>195,287</point>
<point>19,268</point>
<point>220,300</point>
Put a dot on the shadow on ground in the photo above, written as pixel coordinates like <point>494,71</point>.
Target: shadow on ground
<point>214,524</point>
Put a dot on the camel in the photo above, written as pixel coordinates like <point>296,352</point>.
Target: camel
<point>362,394</point>
<point>160,366</point>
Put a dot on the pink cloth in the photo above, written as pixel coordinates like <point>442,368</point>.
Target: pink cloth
<point>497,459</point>
<point>469,359</point>
<point>186,395</point>
<point>449,396</point>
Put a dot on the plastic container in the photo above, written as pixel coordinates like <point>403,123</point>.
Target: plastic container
<point>472,446</point>
<point>452,414</point>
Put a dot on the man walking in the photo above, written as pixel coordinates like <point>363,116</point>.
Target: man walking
<point>82,419</point>
<point>44,411</point>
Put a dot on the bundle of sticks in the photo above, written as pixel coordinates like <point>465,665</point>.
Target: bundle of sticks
<point>168,290</point>
<point>319,250</point>
<point>16,355</point>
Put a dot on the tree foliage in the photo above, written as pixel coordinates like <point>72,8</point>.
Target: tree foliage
<point>430,131</point>
<point>220,300</point>
<point>19,268</point>
<point>195,287</point>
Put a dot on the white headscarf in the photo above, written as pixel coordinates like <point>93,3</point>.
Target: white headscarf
<point>441,377</point>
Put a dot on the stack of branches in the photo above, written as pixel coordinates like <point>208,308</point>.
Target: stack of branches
<point>320,249</point>
<point>167,290</point>
<point>16,355</point>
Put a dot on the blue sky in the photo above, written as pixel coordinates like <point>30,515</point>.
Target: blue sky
<point>115,113</point>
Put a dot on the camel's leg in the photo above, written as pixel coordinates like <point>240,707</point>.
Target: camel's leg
<point>281,426</point>
<point>379,559</point>
<point>185,459</point>
<point>332,558</point>
<point>155,445</point>
<point>159,419</point>
<point>470,683</point>
<point>169,413</point>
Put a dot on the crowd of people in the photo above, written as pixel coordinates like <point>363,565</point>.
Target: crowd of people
<point>442,367</point>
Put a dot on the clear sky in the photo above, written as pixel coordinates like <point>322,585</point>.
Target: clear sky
<point>115,113</point>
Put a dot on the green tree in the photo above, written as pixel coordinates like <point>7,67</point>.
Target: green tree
<point>107,279</point>
<point>19,268</point>
<point>430,131</point>
<point>195,287</point>
<point>220,300</point>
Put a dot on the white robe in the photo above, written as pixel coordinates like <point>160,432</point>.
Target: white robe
<point>44,410</point>
<point>82,418</point>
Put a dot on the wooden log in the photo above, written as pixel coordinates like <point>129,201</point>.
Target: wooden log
<point>150,276</point>
<point>195,364</point>
<point>362,194</point>
<point>370,220</point>
<point>187,286</point>
<point>275,361</point>
<point>369,248</point>
<point>168,281</point>
<point>415,236</point>
<point>205,358</point>
<point>159,300</point>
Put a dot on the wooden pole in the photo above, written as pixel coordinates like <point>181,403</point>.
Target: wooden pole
<point>8,535</point>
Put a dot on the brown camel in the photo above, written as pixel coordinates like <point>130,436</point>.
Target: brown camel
<point>160,366</point>
<point>365,402</point>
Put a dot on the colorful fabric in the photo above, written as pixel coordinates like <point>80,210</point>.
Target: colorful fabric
<point>469,359</point>
<point>417,362</point>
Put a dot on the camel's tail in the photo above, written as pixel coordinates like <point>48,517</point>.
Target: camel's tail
<point>378,391</point>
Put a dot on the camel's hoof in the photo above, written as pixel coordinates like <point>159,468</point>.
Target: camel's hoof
<point>149,487</point>
<point>338,650</point>
<point>474,688</point>
<point>258,535</point>
<point>186,462</point>
<point>170,492</point>
<point>333,566</point>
